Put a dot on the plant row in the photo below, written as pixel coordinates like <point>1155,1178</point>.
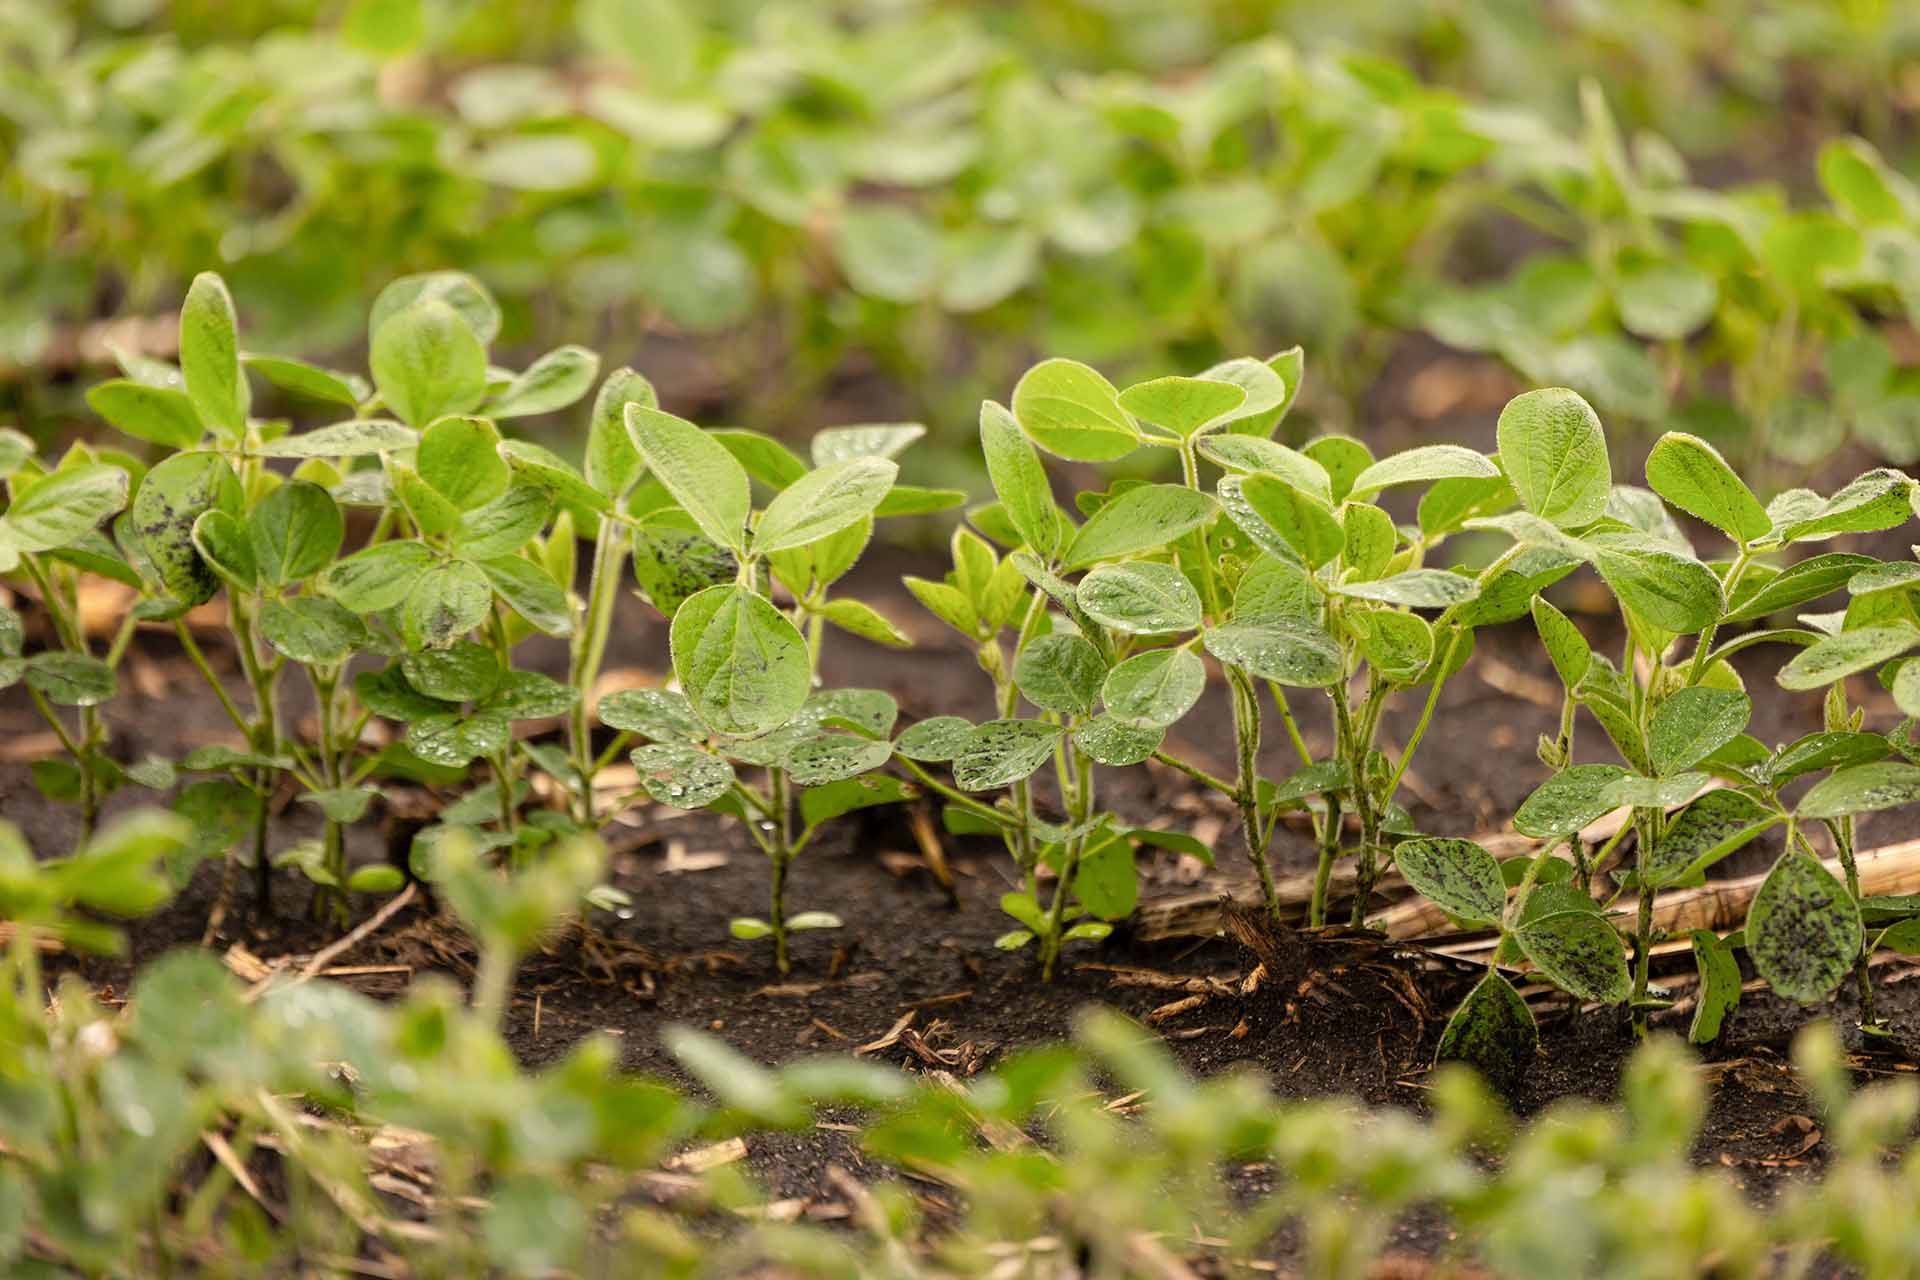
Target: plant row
<point>351,1136</point>
<point>1093,629</point>
<point>871,186</point>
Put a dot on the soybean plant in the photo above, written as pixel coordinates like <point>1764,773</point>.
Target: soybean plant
<point>746,668</point>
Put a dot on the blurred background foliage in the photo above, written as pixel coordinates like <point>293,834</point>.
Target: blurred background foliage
<point>791,213</point>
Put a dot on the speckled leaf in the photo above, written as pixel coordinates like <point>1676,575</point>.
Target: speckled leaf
<point>171,497</point>
<point>1719,986</point>
<point>1835,657</point>
<point>443,604</point>
<point>462,672</point>
<point>1112,741</point>
<point>672,563</point>
<point>1715,825</point>
<point>1692,724</point>
<point>1864,788</point>
<point>1416,588</point>
<point>819,758</point>
<point>1567,801</point>
<point>1060,672</point>
<point>454,740</point>
<point>1634,791</point>
<point>1140,598</point>
<point>1493,1032</point>
<point>935,740</point>
<point>379,577</point>
<point>528,695</point>
<point>682,776</point>
<point>1001,752</point>
<point>70,679</point>
<point>312,629</point>
<point>1278,649</point>
<point>659,715</point>
<point>1153,689</point>
<point>1458,876</point>
<point>1803,930</point>
<point>1580,953</point>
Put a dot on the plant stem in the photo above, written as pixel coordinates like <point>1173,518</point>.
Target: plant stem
<point>1246,735</point>
<point>589,650</point>
<point>781,853</point>
<point>1198,774</point>
<point>491,983</point>
<point>1643,928</point>
<point>1863,980</point>
<point>1063,888</point>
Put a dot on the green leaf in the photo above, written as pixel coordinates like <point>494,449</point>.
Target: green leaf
<point>356,439</point>
<point>528,695</point>
<point>1278,649</point>
<point>865,621</point>
<point>1663,301</point>
<point>1400,646</point>
<point>1719,823</point>
<point>1423,465</point>
<point>466,295</point>
<point>1153,689</point>
<point>1110,740</point>
<point>1555,453</point>
<point>1277,587</point>
<point>1796,584</point>
<point>505,525</point>
<point>455,740</point>
<point>1634,791</point>
<point>70,679</point>
<point>310,380</point>
<point>342,804</point>
<point>1673,592</point>
<point>1579,952</point>
<point>462,672</point>
<point>1070,410</point>
<point>823,502</point>
<point>443,604</point>
<point>1143,518</point>
<point>1002,752</point>
<point>821,804</point>
<point>65,505</point>
<point>1106,882</point>
<point>1246,454</point>
<point>171,497</point>
<point>1720,982</point>
<point>1835,657</point>
<point>1307,527</point>
<point>914,500</point>
<point>1819,751</point>
<point>1343,458</point>
<point>428,363</point>
<point>1803,929</point>
<point>1458,876</point>
<point>1875,500</point>
<point>1863,788</point>
<point>1691,474</point>
<point>1182,405</point>
<point>312,629</point>
<point>659,715</point>
<point>378,577</point>
<point>223,543</point>
<point>1060,672</point>
<point>1566,647</point>
<point>163,415</point>
<point>819,758</point>
<point>935,740</point>
<point>1568,801</point>
<point>460,458</point>
<point>705,479</point>
<point>531,592</point>
<point>1692,724</point>
<point>612,465</point>
<point>682,776</point>
<point>1140,598</point>
<point>554,381</point>
<point>1370,539</point>
<point>1493,1032</point>
<point>210,356</point>
<point>1020,479</point>
<point>1416,588</point>
<point>743,665</point>
<point>295,531</point>
<point>540,468</point>
<point>867,440</point>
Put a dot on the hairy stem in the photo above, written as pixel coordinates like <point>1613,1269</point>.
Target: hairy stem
<point>1246,735</point>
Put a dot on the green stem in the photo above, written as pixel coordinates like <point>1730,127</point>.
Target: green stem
<point>1426,718</point>
<point>1246,735</point>
<point>1643,927</point>
<point>1063,888</point>
<point>1195,772</point>
<point>492,983</point>
<point>1323,872</point>
<point>1863,979</point>
<point>589,651</point>
<point>782,854</point>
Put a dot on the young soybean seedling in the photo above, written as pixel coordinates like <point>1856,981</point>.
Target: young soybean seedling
<point>745,668</point>
<point>51,532</point>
